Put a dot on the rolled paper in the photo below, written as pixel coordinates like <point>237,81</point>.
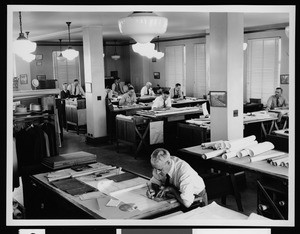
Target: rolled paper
<point>269,160</point>
<point>283,164</point>
<point>265,156</point>
<point>260,148</point>
<point>236,151</point>
<point>228,155</point>
<point>277,162</point>
<point>243,153</point>
<point>210,144</point>
<point>239,143</point>
<point>213,154</point>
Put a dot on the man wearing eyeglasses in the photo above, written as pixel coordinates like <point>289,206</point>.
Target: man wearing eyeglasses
<point>173,177</point>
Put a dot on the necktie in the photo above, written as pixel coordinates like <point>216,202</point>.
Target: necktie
<point>167,183</point>
<point>147,91</point>
<point>164,103</point>
<point>277,102</point>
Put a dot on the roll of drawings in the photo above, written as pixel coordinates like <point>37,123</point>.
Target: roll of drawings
<point>243,153</point>
<point>230,154</point>
<point>237,151</point>
<point>213,154</point>
<point>260,148</point>
<point>269,160</point>
<point>277,162</point>
<point>222,145</point>
<point>265,156</point>
<point>240,143</point>
<point>283,164</point>
<point>212,144</point>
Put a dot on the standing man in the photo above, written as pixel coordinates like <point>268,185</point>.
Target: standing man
<point>75,89</point>
<point>176,92</point>
<point>65,93</point>
<point>173,177</point>
<point>128,98</point>
<point>277,100</point>
<point>162,102</point>
<point>147,90</point>
<point>116,88</point>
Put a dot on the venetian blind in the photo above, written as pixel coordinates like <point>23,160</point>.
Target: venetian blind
<point>263,67</point>
<point>199,71</point>
<point>65,70</point>
<point>175,66</point>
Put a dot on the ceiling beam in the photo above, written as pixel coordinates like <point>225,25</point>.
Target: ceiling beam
<point>55,35</point>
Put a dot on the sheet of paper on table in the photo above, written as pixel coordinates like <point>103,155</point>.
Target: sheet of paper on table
<point>136,196</point>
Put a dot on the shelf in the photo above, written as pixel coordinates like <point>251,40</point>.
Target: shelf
<point>25,94</point>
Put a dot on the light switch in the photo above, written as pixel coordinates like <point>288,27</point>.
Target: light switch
<point>98,97</point>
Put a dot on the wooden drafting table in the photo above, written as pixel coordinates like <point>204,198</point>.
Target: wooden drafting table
<point>261,117</point>
<point>70,206</point>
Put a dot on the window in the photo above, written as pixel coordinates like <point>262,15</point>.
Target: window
<point>65,70</point>
<point>263,67</point>
<point>175,66</point>
<point>200,88</point>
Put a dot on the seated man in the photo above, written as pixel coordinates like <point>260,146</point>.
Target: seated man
<point>128,98</point>
<point>126,86</point>
<point>176,92</point>
<point>277,100</point>
<point>162,102</point>
<point>173,177</point>
<point>147,90</point>
<point>75,89</point>
<point>65,93</point>
<point>116,88</point>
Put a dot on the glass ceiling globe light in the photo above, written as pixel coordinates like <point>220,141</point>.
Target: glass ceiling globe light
<point>70,53</point>
<point>143,26</point>
<point>28,57</point>
<point>115,56</point>
<point>287,30</point>
<point>22,45</point>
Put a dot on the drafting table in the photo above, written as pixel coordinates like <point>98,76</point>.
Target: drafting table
<point>56,203</point>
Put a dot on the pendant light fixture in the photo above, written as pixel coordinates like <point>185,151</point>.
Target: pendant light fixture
<point>159,54</point>
<point>115,56</point>
<point>70,53</point>
<point>60,56</point>
<point>22,46</point>
<point>143,26</point>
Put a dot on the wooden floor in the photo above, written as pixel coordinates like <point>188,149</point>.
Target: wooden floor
<point>107,154</point>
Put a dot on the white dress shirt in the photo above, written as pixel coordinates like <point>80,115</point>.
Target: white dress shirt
<point>78,90</point>
<point>159,102</point>
<point>145,91</point>
<point>183,177</point>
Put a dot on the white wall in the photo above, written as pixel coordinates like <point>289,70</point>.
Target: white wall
<point>22,67</point>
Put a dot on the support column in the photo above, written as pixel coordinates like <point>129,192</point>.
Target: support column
<point>226,74</point>
<point>94,75</point>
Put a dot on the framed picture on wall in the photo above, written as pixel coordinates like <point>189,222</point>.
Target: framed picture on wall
<point>284,79</point>
<point>156,75</point>
<point>23,79</point>
<point>218,98</point>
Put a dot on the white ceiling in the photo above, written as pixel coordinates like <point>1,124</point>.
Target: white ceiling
<point>51,26</point>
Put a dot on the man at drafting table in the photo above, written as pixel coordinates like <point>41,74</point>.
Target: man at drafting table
<point>173,177</point>
<point>162,102</point>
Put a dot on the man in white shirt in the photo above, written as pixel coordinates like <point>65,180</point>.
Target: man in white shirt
<point>162,102</point>
<point>75,89</point>
<point>147,90</point>
<point>116,88</point>
<point>173,177</point>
